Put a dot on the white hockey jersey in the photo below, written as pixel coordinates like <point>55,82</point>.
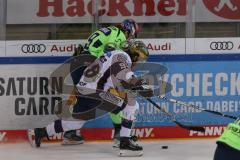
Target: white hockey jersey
<point>105,72</point>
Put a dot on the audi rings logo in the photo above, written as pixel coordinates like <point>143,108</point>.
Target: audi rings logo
<point>33,48</point>
<point>224,45</point>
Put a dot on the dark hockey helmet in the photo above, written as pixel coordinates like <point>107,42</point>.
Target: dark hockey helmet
<point>137,50</point>
<point>131,27</point>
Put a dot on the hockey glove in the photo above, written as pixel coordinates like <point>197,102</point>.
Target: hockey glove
<point>78,50</point>
<point>140,87</point>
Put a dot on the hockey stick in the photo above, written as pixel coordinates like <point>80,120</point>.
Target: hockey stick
<point>173,118</point>
<point>194,128</point>
<point>136,90</point>
<point>197,107</point>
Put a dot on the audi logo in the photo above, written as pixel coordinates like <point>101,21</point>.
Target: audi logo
<point>224,45</point>
<point>33,48</point>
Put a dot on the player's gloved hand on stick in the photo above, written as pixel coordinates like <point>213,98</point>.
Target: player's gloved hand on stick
<point>146,92</point>
<point>140,86</point>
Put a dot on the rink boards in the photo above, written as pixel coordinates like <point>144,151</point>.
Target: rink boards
<point>211,81</point>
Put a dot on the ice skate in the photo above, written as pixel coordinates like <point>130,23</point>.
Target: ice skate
<point>72,137</point>
<point>40,133</point>
<point>129,148</point>
<point>116,141</point>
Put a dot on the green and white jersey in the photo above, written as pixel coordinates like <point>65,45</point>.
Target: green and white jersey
<point>231,135</point>
<point>99,39</point>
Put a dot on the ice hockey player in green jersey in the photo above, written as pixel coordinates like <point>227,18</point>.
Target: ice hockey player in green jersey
<point>228,145</point>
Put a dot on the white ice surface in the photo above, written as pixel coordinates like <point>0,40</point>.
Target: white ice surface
<point>177,150</point>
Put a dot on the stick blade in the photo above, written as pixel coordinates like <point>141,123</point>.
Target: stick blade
<point>194,128</point>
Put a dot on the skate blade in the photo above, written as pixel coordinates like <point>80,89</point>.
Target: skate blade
<point>69,142</point>
<point>128,153</point>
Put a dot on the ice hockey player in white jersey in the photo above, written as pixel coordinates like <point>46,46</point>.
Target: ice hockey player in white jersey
<point>112,70</point>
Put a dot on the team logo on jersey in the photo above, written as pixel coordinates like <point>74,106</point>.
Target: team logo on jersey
<point>229,9</point>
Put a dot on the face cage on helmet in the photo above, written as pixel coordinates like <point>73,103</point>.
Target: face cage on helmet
<point>138,56</point>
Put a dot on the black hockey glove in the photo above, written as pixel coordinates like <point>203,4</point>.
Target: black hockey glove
<point>145,91</point>
<point>78,50</point>
<point>140,87</point>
